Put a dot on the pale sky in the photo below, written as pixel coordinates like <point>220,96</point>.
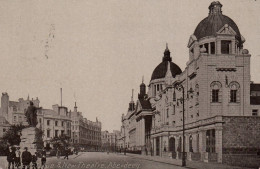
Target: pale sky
<point>97,51</point>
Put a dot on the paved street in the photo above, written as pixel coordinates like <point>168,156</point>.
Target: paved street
<point>99,160</point>
<point>96,160</point>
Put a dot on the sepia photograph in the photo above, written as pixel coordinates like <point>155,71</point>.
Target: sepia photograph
<point>119,84</point>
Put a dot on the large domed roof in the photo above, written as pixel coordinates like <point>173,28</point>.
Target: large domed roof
<point>214,22</point>
<point>161,70</point>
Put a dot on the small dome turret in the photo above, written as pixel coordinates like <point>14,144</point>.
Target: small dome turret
<point>160,71</point>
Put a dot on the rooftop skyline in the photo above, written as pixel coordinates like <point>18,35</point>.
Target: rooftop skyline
<point>98,51</point>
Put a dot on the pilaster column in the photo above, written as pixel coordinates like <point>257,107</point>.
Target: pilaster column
<point>218,46</point>
<point>143,131</point>
<point>202,141</point>
<point>218,144</point>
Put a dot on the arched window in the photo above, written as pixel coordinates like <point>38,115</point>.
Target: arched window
<point>234,92</point>
<point>215,92</point>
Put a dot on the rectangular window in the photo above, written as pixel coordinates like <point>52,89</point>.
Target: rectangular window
<point>158,88</point>
<point>62,124</point>
<point>212,47</point>
<point>173,113</point>
<point>62,132</point>
<point>254,112</point>
<point>56,133</point>
<point>167,111</point>
<point>233,96</point>
<point>206,45</point>
<point>225,46</point>
<point>56,123</point>
<point>215,93</point>
<point>14,118</point>
<point>48,122</point>
<point>48,133</point>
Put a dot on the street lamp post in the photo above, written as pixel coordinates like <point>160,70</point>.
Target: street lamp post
<point>181,88</point>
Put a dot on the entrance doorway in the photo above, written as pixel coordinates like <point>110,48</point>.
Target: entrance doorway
<point>172,147</point>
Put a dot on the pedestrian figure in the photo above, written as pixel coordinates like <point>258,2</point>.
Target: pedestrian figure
<point>10,157</point>
<point>17,157</point>
<point>26,158</point>
<point>66,153</point>
<point>58,153</point>
<point>34,161</point>
<point>43,158</point>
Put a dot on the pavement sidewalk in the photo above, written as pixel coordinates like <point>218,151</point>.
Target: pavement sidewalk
<point>189,164</point>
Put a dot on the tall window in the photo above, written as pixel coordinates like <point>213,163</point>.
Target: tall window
<point>212,47</point>
<point>48,133</point>
<point>56,133</point>
<point>225,46</point>
<point>215,95</point>
<point>210,141</point>
<point>56,123</point>
<point>234,86</point>
<point>167,111</point>
<point>48,122</point>
<point>215,92</point>
<point>233,96</point>
<point>14,118</point>
<point>197,93</point>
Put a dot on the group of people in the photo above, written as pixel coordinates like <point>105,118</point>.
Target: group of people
<point>16,159</point>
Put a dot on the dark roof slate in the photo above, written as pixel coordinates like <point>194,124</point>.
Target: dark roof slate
<point>146,105</point>
<point>160,71</point>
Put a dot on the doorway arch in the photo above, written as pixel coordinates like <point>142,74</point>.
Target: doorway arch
<point>172,147</point>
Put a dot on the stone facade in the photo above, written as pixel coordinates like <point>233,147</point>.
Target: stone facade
<point>211,96</point>
<point>54,122</point>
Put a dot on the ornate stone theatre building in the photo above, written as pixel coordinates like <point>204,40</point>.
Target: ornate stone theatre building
<point>221,105</point>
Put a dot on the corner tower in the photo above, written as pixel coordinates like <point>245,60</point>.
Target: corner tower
<point>219,66</point>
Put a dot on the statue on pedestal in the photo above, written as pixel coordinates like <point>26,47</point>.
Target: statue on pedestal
<point>31,115</point>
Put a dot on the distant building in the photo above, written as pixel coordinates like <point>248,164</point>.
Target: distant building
<point>4,126</point>
<point>14,111</point>
<point>110,140</point>
<point>54,122</point>
<point>85,133</point>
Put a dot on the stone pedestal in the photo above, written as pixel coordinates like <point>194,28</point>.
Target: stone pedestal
<point>28,139</point>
